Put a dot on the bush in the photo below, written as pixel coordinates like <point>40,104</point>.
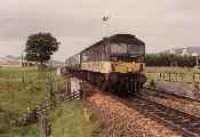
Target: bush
<point>169,60</point>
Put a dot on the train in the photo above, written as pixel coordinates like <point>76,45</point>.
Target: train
<point>114,64</point>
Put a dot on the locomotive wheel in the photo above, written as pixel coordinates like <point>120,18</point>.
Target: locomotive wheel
<point>105,85</point>
<point>100,81</point>
<point>122,89</point>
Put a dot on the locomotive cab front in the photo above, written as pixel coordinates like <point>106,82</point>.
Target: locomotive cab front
<point>125,64</point>
<point>127,57</point>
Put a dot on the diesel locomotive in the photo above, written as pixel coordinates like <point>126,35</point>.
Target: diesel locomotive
<point>115,64</point>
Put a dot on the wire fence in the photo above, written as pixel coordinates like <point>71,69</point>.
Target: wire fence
<point>175,76</point>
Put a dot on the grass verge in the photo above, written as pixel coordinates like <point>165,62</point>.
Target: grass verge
<point>69,120</point>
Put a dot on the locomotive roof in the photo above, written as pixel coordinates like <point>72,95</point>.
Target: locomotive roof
<point>119,38</point>
<point>127,38</point>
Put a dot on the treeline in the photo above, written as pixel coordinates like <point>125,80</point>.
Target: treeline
<point>169,60</point>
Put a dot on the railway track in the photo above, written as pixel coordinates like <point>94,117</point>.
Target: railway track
<point>186,124</point>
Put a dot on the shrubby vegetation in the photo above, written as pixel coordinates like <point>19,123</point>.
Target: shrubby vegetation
<point>169,60</point>
<point>68,120</point>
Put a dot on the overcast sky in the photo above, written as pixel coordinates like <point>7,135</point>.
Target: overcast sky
<point>161,24</point>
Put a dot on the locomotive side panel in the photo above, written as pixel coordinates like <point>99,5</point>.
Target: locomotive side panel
<point>96,59</point>
<point>97,66</point>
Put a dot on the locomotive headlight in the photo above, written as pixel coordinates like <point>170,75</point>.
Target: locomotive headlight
<point>130,69</point>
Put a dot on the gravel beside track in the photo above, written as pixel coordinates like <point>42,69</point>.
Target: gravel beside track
<point>125,121</point>
<point>189,106</point>
<point>179,88</point>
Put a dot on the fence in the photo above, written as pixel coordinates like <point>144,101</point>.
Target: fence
<point>175,76</point>
<point>47,105</point>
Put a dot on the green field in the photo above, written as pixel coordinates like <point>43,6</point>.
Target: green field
<point>21,89</point>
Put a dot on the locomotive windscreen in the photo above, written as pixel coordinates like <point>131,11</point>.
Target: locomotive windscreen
<point>118,48</point>
<point>123,49</point>
<point>136,50</point>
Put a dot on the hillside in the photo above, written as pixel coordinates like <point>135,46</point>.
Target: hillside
<point>184,51</point>
<point>10,60</point>
<point>16,61</point>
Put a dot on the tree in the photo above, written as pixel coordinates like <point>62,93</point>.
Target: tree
<point>169,60</point>
<point>40,47</point>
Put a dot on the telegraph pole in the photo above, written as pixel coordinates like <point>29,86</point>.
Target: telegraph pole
<point>197,59</point>
<point>22,65</point>
<point>105,26</point>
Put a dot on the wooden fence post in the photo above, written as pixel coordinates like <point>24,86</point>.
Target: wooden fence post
<point>182,76</point>
<point>169,75</point>
<point>164,76</point>
<point>199,76</point>
<point>46,127</point>
<point>193,76</point>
